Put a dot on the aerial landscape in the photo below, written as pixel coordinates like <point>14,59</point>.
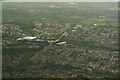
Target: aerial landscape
<point>59,40</point>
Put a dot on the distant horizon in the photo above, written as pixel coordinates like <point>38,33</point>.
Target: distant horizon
<point>60,0</point>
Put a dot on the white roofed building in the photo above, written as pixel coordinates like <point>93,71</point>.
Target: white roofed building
<point>27,38</point>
